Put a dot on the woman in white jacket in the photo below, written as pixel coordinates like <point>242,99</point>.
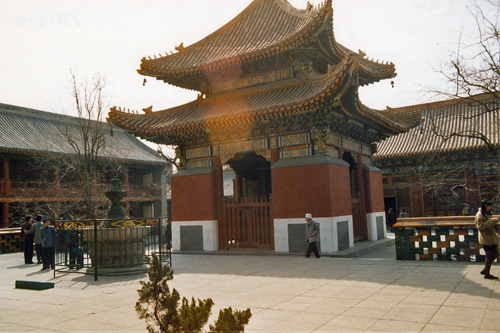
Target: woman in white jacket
<point>488,237</point>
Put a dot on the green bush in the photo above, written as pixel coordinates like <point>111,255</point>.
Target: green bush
<point>231,322</point>
<point>160,307</point>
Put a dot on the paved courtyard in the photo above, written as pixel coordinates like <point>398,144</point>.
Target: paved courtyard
<point>284,292</point>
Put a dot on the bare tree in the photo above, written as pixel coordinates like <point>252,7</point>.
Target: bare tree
<point>168,152</point>
<point>472,72</point>
<point>474,68</point>
<point>89,141</point>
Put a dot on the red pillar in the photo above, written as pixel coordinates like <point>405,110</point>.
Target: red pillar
<point>6,176</point>
<point>473,195</point>
<point>416,198</point>
<point>340,151</point>
<point>275,155</point>
<point>6,188</point>
<point>237,191</point>
<point>219,195</point>
<point>274,149</point>
<point>362,195</point>
<point>5,217</point>
<point>374,191</point>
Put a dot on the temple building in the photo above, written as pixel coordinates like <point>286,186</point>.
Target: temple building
<point>40,168</point>
<point>447,164</point>
<point>278,105</point>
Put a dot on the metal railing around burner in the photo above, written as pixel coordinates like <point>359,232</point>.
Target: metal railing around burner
<point>122,246</point>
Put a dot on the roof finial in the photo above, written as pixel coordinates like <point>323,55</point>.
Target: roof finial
<point>309,6</point>
<point>180,47</point>
<point>148,110</point>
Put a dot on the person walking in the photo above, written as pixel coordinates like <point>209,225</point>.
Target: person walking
<point>487,237</point>
<point>312,236</point>
<point>37,232</point>
<point>391,219</point>
<point>28,233</point>
<point>49,241</point>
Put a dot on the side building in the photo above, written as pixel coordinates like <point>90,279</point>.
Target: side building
<point>448,163</point>
<point>40,167</point>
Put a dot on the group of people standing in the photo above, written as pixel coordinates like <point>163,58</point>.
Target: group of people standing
<point>44,237</point>
<point>391,217</point>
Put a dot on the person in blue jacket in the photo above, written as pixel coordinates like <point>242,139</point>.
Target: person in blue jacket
<point>49,241</point>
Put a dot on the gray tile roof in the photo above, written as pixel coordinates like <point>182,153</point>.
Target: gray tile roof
<point>29,131</point>
<point>466,117</point>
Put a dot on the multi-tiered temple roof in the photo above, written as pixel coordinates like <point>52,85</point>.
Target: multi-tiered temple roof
<point>265,29</point>
<point>271,69</point>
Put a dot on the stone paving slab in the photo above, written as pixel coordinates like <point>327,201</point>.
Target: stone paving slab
<point>375,293</point>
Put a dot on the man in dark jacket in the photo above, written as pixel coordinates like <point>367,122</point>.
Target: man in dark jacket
<point>49,241</point>
<point>312,236</point>
<point>28,233</point>
<point>37,232</point>
<point>391,219</point>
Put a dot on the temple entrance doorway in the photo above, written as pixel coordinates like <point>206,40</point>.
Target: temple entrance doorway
<point>246,216</point>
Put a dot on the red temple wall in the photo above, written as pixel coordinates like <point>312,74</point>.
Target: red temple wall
<point>193,197</point>
<point>374,192</point>
<point>322,190</point>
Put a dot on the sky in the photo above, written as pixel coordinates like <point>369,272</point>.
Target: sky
<point>43,40</point>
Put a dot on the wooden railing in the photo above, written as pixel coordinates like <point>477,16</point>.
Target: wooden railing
<point>248,222</point>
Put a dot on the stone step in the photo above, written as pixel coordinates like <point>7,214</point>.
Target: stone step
<point>359,249</point>
<point>34,285</point>
<point>364,248</point>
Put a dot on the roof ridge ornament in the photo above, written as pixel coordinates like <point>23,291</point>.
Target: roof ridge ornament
<point>180,47</point>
